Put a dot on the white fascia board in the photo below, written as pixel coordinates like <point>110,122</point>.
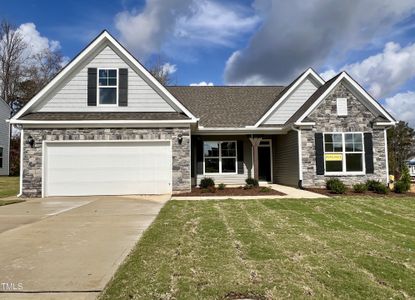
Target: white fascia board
<point>239,130</point>
<point>305,123</point>
<point>355,85</point>
<point>90,48</point>
<point>309,72</point>
<point>100,122</point>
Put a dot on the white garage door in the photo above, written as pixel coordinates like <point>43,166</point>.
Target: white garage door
<point>107,168</point>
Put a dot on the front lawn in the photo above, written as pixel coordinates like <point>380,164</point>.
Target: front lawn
<point>266,249</point>
<point>9,186</point>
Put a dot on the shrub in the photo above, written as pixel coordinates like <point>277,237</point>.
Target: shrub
<point>372,184</point>
<point>360,187</point>
<point>332,182</point>
<point>207,182</point>
<point>265,189</point>
<point>338,187</point>
<point>405,178</point>
<point>381,188</point>
<point>252,181</point>
<point>221,186</point>
<point>400,187</point>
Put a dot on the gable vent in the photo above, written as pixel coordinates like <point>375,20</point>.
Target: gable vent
<point>342,107</point>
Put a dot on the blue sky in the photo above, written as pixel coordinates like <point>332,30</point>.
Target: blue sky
<point>243,42</point>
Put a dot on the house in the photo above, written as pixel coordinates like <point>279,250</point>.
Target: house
<point>411,165</point>
<point>105,126</point>
<point>5,112</point>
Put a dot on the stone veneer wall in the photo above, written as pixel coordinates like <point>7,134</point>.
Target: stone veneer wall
<point>326,119</point>
<point>32,157</point>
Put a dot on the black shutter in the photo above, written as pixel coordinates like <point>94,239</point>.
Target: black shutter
<point>92,87</point>
<point>240,152</point>
<point>123,87</point>
<point>318,137</point>
<point>199,157</point>
<point>368,152</point>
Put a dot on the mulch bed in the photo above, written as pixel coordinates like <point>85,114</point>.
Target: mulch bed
<point>236,191</point>
<point>352,193</point>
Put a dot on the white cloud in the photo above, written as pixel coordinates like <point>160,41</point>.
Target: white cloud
<point>183,24</point>
<point>168,68</point>
<point>402,107</point>
<point>384,72</point>
<point>299,34</point>
<point>202,83</point>
<point>36,43</point>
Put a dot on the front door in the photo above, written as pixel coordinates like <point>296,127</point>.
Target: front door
<point>264,161</point>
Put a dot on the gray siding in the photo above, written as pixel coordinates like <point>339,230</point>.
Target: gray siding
<point>292,103</point>
<point>71,95</point>
<point>285,153</point>
<point>230,179</point>
<point>4,136</point>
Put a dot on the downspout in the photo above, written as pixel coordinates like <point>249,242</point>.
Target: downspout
<point>300,158</point>
<point>21,162</point>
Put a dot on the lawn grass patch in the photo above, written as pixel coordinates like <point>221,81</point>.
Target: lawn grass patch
<point>354,248</point>
<point>9,186</point>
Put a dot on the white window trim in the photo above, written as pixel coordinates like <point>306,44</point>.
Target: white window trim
<point>220,158</point>
<point>107,86</point>
<point>344,152</point>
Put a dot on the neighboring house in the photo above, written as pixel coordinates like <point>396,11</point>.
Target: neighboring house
<point>411,165</point>
<point>105,126</point>
<point>4,137</point>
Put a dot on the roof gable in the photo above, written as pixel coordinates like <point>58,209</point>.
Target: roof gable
<point>104,42</point>
<point>309,74</point>
<point>300,117</point>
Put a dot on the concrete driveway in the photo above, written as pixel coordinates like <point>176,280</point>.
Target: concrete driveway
<point>68,248</point>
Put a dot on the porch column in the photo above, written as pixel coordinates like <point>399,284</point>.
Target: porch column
<point>255,143</point>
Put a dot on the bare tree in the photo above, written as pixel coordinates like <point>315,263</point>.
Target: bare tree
<point>158,70</point>
<point>12,47</point>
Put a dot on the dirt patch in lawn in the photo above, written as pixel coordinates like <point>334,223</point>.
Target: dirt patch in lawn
<point>367,193</point>
<point>233,191</point>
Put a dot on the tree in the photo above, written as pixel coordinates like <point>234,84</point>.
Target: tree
<point>12,49</point>
<point>401,141</point>
<point>160,72</point>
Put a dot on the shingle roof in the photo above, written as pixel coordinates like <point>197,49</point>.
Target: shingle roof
<point>81,116</point>
<point>227,106</point>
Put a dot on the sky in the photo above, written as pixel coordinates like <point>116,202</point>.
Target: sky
<point>241,42</point>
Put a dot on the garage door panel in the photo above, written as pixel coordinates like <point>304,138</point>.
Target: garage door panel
<point>108,168</point>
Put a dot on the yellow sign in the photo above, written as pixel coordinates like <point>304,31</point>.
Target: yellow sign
<point>333,156</point>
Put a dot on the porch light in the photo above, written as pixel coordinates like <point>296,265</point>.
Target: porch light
<point>31,141</point>
<point>180,138</point>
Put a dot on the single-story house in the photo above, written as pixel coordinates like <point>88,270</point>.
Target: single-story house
<point>411,165</point>
<point>104,125</point>
<point>4,137</point>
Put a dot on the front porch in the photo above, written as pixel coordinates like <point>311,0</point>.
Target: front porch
<point>230,159</point>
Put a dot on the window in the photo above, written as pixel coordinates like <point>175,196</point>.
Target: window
<point>108,86</point>
<point>343,153</point>
<point>342,107</point>
<point>1,157</point>
<point>220,157</point>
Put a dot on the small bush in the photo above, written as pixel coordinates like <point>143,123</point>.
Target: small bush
<point>252,181</point>
<point>359,188</point>
<point>221,186</point>
<point>248,186</point>
<point>332,182</point>
<point>265,189</point>
<point>207,182</point>
<point>372,184</point>
<point>405,178</point>
<point>400,187</point>
<point>338,187</point>
<point>381,188</point>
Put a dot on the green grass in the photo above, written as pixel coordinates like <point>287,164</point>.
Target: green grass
<point>9,186</point>
<point>349,248</point>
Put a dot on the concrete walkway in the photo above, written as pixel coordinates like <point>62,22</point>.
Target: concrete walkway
<point>289,192</point>
<point>68,248</point>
